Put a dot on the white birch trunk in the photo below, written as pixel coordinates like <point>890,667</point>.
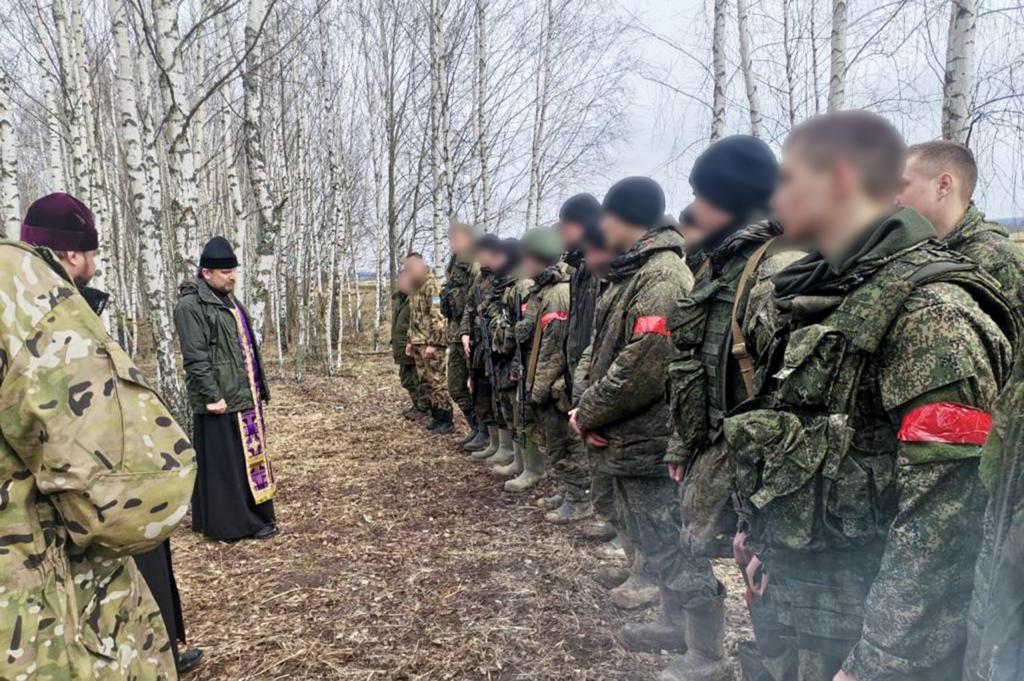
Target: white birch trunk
<point>718,72</point>
<point>10,204</point>
<point>956,122</point>
<point>482,127</point>
<point>747,65</point>
<point>437,126</point>
<point>540,114</point>
<point>837,61</point>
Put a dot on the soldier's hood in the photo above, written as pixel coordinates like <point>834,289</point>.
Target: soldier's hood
<point>663,238</point>
<point>555,274</point>
<point>198,287</point>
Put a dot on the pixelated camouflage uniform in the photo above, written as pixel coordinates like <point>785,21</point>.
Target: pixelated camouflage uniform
<point>704,383</point>
<point>507,293</point>
<point>455,296</point>
<point>427,328</point>
<point>406,364</point>
<point>995,628</point>
<point>564,452</point>
<point>621,383</point>
<point>92,469</point>
<point>476,308</point>
<point>989,245</point>
<point>857,461</point>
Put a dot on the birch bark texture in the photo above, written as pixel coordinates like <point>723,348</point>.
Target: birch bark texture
<point>837,56</point>
<point>956,91</point>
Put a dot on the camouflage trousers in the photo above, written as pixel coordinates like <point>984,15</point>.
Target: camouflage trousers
<point>511,415</point>
<point>458,380</point>
<point>648,514</point>
<point>602,489</point>
<point>431,372</point>
<point>483,399</point>
<point>564,452</point>
<point>411,382</point>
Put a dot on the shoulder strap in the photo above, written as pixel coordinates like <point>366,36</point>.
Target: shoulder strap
<point>538,331</point>
<point>739,345</point>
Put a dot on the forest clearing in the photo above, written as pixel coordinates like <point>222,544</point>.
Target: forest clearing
<point>399,558</point>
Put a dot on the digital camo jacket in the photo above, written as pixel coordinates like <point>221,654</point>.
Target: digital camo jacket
<point>92,469</point>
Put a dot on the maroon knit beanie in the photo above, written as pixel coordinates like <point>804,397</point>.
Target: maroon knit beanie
<point>61,222</point>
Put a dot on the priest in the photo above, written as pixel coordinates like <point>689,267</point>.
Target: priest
<point>227,392</point>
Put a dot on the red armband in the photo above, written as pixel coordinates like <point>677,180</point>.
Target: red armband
<point>654,324</point>
<point>557,316</point>
<point>946,422</point>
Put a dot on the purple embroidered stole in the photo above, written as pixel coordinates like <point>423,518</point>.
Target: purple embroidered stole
<point>252,422</point>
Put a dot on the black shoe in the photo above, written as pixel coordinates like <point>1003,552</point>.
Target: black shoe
<point>267,531</point>
<point>473,430</point>
<point>444,423</point>
<point>188,660</point>
<point>435,420</point>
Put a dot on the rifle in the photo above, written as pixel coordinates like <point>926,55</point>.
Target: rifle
<point>483,328</point>
<point>519,376</point>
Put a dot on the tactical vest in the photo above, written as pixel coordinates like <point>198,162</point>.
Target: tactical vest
<point>702,328</point>
<point>815,452</point>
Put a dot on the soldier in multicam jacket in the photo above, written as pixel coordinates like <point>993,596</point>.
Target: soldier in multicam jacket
<point>622,411</point>
<point>938,183</point>
<point>428,341</point>
<point>549,392</point>
<point>92,468</point>
<point>498,449</point>
<point>857,460</point>
<point>399,340</point>
<point>459,276</point>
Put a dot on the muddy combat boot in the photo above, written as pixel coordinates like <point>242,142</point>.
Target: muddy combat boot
<point>435,416</point>
<point>666,632</point>
<point>414,413</point>
<point>514,468</point>
<point>492,445</point>
<point>504,454</point>
<point>611,576</point>
<point>549,503</point>
<point>639,591</point>
<point>570,512</point>
<point>598,530</point>
<point>443,422</point>
<point>533,469</point>
<point>705,655</point>
<point>478,442</point>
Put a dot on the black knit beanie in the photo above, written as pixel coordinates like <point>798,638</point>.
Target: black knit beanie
<point>583,209</point>
<point>639,201</point>
<point>510,247</point>
<point>736,174</point>
<point>488,242</point>
<point>218,255</point>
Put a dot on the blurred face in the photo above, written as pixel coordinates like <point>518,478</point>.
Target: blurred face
<point>81,266</point>
<point>924,190</point>
<point>806,196</point>
<point>706,219</point>
<point>460,241</point>
<point>416,271</point>
<point>404,283</point>
<point>532,267</point>
<point>571,233</point>
<point>618,234</point>
<point>597,259</point>
<point>221,280</point>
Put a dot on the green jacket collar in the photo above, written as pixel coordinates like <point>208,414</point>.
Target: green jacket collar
<point>970,226</point>
<point>664,238</point>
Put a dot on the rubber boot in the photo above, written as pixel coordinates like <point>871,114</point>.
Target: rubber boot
<point>570,512</point>
<point>705,654</point>
<point>533,469</point>
<point>444,422</point>
<point>515,467</point>
<point>666,632</point>
<point>550,503</point>
<point>478,442</point>
<point>492,445</point>
<point>474,429</point>
<point>503,455</point>
<point>639,591</point>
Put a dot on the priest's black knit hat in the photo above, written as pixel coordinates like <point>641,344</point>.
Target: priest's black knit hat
<point>218,255</point>
<point>639,201</point>
<point>736,174</point>
<point>61,222</point>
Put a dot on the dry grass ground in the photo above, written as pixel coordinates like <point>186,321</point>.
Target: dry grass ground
<point>399,559</point>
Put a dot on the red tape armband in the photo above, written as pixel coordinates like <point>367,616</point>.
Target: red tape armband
<point>557,316</point>
<point>947,422</point>
<point>654,324</point>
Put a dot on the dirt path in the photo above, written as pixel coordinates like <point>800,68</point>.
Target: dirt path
<point>399,559</point>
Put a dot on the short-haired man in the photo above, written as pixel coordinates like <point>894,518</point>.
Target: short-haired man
<point>399,339</point>
<point>857,459</point>
<point>938,182</point>
<point>622,412</point>
<point>455,297</point>
<point>427,341</point>
<point>227,390</point>
<point>93,468</point>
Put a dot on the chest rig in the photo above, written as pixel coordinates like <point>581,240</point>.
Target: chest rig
<point>816,451</point>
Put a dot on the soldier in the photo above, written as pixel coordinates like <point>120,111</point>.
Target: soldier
<point>857,459</point>
<point>459,276</point>
<point>995,629</point>
<point>227,390</point>
<point>549,395</point>
<point>93,468</point>
<point>732,182</point>
<point>428,340</point>
<point>399,339</point>
<point>622,413</point>
<point>503,310</point>
<point>938,183</point>
<point>477,348</point>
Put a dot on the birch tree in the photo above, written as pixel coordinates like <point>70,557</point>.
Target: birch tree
<point>10,208</point>
<point>956,123</point>
<point>837,56</point>
<point>718,72</point>
<point>747,66</point>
